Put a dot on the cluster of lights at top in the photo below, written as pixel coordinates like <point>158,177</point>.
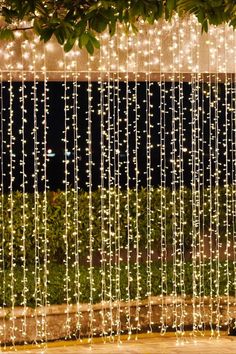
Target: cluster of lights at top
<point>167,47</point>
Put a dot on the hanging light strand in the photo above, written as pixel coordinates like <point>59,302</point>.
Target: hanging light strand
<point>137,207</point>
<point>149,183</point>
<point>36,211</point>
<point>226,144</point>
<point>116,116</point>
<point>102,199</point>
<point>181,148</point>
<point>2,203</point>
<point>76,221</point>
<point>233,132</point>
<point>24,203</point>
<point>90,205</point>
<point>163,170</point>
<point>128,226</point>
<point>45,206</point>
<point>67,204</point>
<point>11,211</point>
<point>216,207</point>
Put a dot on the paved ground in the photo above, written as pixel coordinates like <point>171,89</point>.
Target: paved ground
<point>154,344</point>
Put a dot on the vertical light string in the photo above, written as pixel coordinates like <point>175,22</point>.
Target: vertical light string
<point>175,197</point>
<point>196,184</point>
<point>11,211</point>
<point>204,212</point>
<point>137,207</point>
<point>196,204</point>
<point>211,152</point>
<point>181,192</point>
<point>194,200</point>
<point>110,176</point>
<point>163,209</point>
<point>3,241</point>
<point>24,201</point>
<point>149,182</point>
<point>36,211</point>
<point>226,144</point>
<point>211,142</point>
<point>102,199</point>
<point>76,221</point>
<point>67,204</point>
<point>233,132</point>
<point>117,194</point>
<point>45,249</point>
<point>216,206</point>
<point>90,205</point>
<point>128,226</point>
<point>173,201</point>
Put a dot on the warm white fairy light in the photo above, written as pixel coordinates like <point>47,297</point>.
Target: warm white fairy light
<point>233,155</point>
<point>174,204</point>
<point>149,185</point>
<point>216,207</point>
<point>211,150</point>
<point>36,211</point>
<point>2,246</point>
<point>163,206</point>
<point>181,148</point>
<point>24,204</point>
<point>226,145</point>
<point>195,199</point>
<point>177,198</point>
<point>202,212</point>
<point>11,209</point>
<point>110,179</point>
<point>44,207</point>
<point>90,204</point>
<point>76,221</point>
<point>116,119</point>
<point>196,182</point>
<point>127,170</point>
<point>234,174</point>
<point>66,184</point>
<point>137,202</point>
<point>102,201</point>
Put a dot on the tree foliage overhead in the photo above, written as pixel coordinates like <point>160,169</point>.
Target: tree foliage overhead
<point>79,22</point>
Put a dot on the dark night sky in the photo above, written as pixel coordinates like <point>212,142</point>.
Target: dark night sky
<point>56,127</point>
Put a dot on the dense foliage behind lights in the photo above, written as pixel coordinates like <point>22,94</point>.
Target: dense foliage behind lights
<point>75,22</point>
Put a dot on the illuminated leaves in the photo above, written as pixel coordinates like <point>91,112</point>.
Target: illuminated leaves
<point>79,22</point>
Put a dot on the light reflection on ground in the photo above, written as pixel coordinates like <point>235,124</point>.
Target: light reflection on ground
<point>148,345</point>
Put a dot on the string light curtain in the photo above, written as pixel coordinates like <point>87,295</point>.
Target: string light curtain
<point>166,160</point>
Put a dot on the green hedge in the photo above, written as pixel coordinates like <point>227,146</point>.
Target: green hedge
<point>56,290</point>
<point>56,244</point>
<point>56,222</point>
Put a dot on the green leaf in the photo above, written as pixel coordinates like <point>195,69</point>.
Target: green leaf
<point>6,34</point>
<point>90,48</point>
<point>171,5</point>
<point>205,26</point>
<point>233,23</point>
<point>83,39</point>
<point>95,42</point>
<point>37,26</point>
<point>99,23</point>
<point>112,27</point>
<point>46,34</point>
<point>60,35</point>
<point>69,43</point>
<point>159,12</point>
